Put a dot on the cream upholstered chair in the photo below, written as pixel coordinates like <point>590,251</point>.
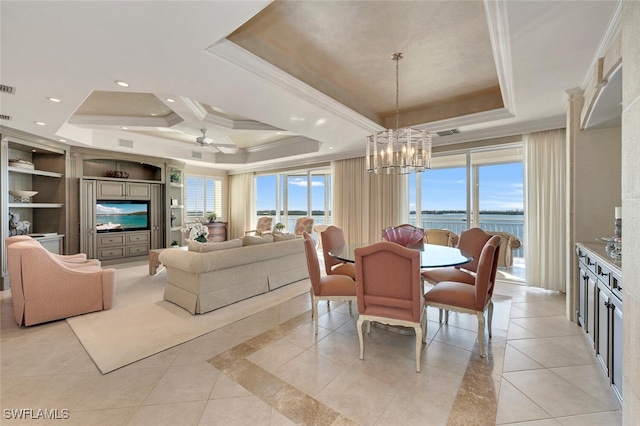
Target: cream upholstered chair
<point>303,224</point>
<point>441,237</point>
<point>509,244</point>
<point>388,289</point>
<point>330,287</point>
<point>475,299</point>
<point>44,288</point>
<point>72,261</point>
<point>263,227</point>
<point>332,238</point>
<point>319,229</point>
<point>406,235</point>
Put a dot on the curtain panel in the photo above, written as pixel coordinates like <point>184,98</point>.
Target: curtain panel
<point>364,204</point>
<point>545,212</point>
<point>241,197</point>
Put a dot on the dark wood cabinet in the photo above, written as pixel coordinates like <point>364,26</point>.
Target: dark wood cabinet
<point>217,231</point>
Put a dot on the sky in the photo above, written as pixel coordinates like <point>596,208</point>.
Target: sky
<point>501,189</point>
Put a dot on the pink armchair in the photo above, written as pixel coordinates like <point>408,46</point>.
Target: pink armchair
<point>44,288</point>
<point>72,260</point>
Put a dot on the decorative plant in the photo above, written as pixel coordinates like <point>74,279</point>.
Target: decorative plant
<point>279,226</point>
<point>212,217</point>
<point>176,177</point>
<point>174,242</point>
<point>197,231</point>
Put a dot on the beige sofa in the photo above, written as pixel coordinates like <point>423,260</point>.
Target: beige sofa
<point>202,282</point>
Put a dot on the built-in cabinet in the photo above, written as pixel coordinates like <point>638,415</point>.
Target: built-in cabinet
<point>43,169</point>
<point>113,190</point>
<point>599,310</point>
<point>175,193</point>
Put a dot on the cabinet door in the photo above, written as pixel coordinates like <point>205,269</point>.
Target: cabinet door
<point>111,190</point>
<point>155,217</point>
<point>603,325</point>
<point>138,191</point>
<point>615,334</point>
<point>591,307</point>
<point>582,295</point>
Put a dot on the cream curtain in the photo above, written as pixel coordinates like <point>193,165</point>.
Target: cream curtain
<point>364,204</point>
<point>241,204</point>
<point>545,181</point>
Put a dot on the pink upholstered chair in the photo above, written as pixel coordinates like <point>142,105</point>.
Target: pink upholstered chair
<point>471,242</point>
<point>388,289</point>
<point>406,235</point>
<point>471,299</point>
<point>330,287</point>
<point>333,237</point>
<point>73,260</point>
<point>441,237</point>
<point>263,226</point>
<point>44,288</point>
<point>303,224</point>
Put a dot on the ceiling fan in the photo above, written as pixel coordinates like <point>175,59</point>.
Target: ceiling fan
<point>206,142</point>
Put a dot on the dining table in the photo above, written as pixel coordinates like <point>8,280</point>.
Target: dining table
<point>431,255</point>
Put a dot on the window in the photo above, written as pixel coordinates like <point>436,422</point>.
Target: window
<point>203,196</point>
<point>289,196</point>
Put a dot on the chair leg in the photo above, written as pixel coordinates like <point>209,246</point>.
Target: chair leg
<point>440,316</point>
<point>360,337</point>
<point>350,312</point>
<point>424,325</point>
<point>480,316</point>
<point>418,345</point>
<point>328,306</point>
<point>490,316</point>
<point>315,314</point>
<point>313,301</point>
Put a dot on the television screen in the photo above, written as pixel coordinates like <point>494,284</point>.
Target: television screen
<point>121,215</point>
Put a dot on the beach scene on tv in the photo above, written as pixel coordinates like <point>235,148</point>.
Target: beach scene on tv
<point>121,216</point>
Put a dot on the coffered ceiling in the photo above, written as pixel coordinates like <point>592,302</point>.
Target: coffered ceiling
<point>290,83</point>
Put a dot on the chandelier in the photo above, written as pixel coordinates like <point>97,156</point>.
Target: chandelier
<point>398,151</point>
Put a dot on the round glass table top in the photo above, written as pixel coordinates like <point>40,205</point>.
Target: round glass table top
<point>431,255</point>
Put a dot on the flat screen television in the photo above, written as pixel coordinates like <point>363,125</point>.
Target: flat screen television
<point>121,215</point>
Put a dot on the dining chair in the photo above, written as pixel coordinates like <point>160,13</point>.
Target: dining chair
<point>319,229</point>
<point>331,238</point>
<point>441,237</point>
<point>509,244</point>
<point>262,227</point>
<point>388,290</point>
<point>406,235</point>
<point>335,287</point>
<point>470,299</point>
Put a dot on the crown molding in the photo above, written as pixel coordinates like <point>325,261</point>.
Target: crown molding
<point>612,31</point>
<point>234,54</point>
<point>498,24</point>
<point>465,120</point>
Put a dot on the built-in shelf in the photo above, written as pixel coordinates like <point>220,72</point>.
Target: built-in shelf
<point>35,205</point>
<point>34,172</point>
<point>177,185</point>
<point>177,207</point>
<point>176,228</point>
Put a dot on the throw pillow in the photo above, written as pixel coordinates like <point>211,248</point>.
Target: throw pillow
<point>250,240</point>
<point>193,245</point>
<point>207,247</point>
<point>283,237</point>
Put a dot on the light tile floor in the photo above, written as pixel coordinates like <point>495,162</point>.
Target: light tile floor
<point>270,369</point>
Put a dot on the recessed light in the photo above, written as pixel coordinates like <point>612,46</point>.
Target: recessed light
<point>54,99</point>
<point>170,100</point>
<point>40,123</point>
<point>33,150</point>
<point>122,83</point>
<point>124,128</point>
<point>62,140</point>
<point>330,147</point>
<point>153,114</point>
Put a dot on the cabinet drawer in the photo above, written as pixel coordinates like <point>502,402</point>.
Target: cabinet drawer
<point>111,253</point>
<point>111,240</point>
<point>616,285</point>
<point>138,249</point>
<point>590,262</point>
<point>604,274</point>
<point>143,237</point>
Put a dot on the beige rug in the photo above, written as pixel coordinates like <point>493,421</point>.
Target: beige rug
<point>141,324</point>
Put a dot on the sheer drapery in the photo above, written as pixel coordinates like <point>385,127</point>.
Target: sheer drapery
<point>545,198</point>
<point>241,204</point>
<point>364,204</point>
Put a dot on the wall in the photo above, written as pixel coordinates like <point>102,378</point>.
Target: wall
<point>631,208</point>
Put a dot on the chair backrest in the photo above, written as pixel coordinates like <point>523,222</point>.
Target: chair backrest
<point>264,225</point>
<point>441,237</point>
<point>331,237</point>
<point>471,242</point>
<point>312,262</point>
<point>303,224</point>
<point>388,281</point>
<point>406,235</point>
<point>486,274</point>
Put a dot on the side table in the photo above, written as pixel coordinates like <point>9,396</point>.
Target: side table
<point>154,262</point>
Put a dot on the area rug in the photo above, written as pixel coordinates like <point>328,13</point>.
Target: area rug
<point>141,323</point>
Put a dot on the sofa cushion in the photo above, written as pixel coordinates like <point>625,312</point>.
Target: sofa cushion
<point>207,247</point>
<point>250,240</point>
<point>192,245</point>
<point>283,237</point>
